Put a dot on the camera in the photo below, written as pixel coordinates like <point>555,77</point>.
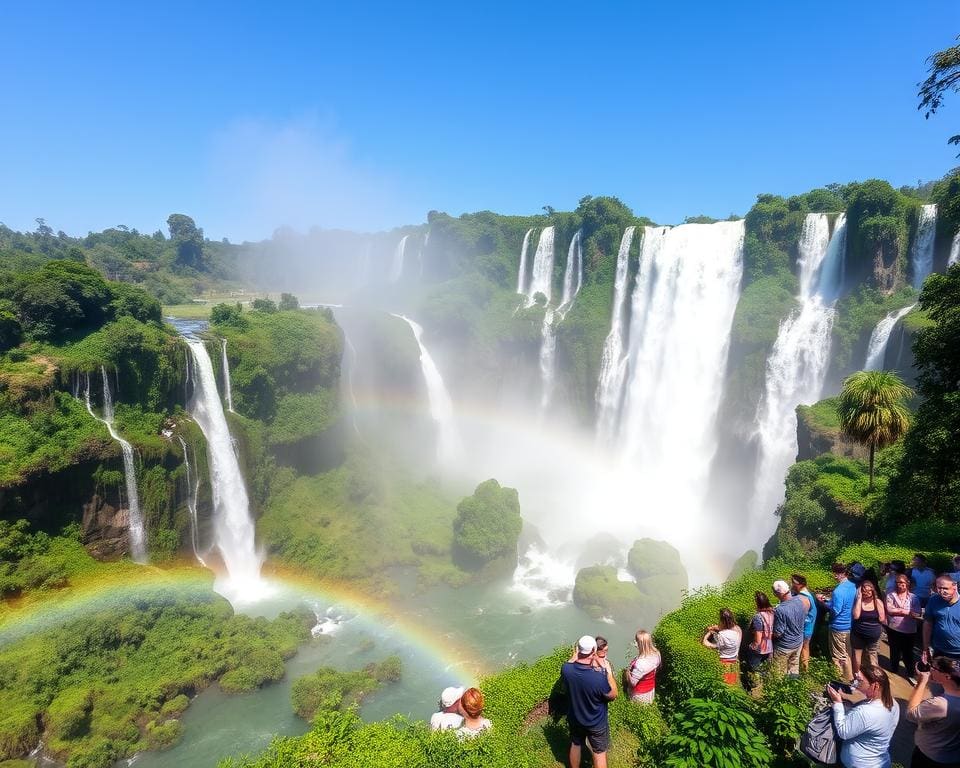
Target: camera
<point>922,666</point>
<point>841,687</point>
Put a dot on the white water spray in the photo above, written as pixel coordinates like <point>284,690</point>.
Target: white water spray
<point>233,526</point>
<point>877,349</point>
<point>522,272</point>
<point>441,407</point>
<point>572,280</point>
<point>396,268</point>
<point>954,250</point>
<point>543,579</point>
<point>797,365</point>
<point>541,281</point>
<point>573,273</point>
<point>613,364</point>
<point>921,255</point>
<point>227,387</point>
<point>193,491</point>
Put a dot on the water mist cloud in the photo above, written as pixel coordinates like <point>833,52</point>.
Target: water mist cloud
<point>299,174</point>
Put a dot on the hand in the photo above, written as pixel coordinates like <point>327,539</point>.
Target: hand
<point>834,695</point>
<point>925,656</point>
<point>922,677</point>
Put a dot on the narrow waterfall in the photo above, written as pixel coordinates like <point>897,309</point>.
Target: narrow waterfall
<point>573,273</point>
<point>877,349</point>
<point>954,250</point>
<point>138,533</point>
<point>613,363</point>
<point>541,281</point>
<point>441,406</point>
<point>921,255</point>
<point>572,281</point>
<point>396,268</point>
<point>227,386</point>
<point>423,247</point>
<point>682,312</point>
<point>233,526</point>
<point>193,491</point>
<point>351,364</point>
<point>797,365</point>
<point>522,272</point>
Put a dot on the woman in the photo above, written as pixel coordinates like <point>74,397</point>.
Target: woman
<point>761,647</point>
<point>601,652</point>
<point>937,740</point>
<point>868,616</point>
<point>642,673</point>
<point>866,730</point>
<point>725,639</point>
<point>902,608</point>
<point>471,707</point>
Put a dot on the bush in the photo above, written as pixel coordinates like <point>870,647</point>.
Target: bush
<point>328,689</point>
<point>488,524</point>
<point>717,733</point>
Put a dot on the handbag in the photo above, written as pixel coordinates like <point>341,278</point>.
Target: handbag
<point>819,741</point>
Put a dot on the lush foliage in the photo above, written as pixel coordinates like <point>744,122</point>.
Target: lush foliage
<point>328,688</point>
<point>487,525</point>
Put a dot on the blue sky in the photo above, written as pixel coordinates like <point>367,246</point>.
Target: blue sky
<point>368,115</point>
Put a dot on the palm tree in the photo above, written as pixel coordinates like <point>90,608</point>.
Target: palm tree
<point>871,410</point>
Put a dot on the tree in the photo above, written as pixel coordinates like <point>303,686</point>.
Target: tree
<point>267,306</point>
<point>288,301</point>
<point>944,77</point>
<point>488,524</point>
<point>187,239</point>
<point>871,410</point>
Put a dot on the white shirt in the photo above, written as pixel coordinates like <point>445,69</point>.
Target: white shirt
<point>443,721</point>
<point>866,731</point>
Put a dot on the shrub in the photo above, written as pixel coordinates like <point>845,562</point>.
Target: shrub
<point>717,733</point>
<point>488,524</point>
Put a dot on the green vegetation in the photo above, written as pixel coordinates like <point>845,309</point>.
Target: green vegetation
<point>857,315</point>
<point>329,689</point>
<point>487,525</point>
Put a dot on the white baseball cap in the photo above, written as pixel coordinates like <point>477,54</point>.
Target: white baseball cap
<point>586,645</point>
<point>450,695</point>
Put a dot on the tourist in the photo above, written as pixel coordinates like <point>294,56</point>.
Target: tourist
<point>601,652</point>
<point>471,707</point>
<point>902,608</point>
<point>788,619</point>
<point>725,639</point>
<point>589,691</point>
<point>761,625</point>
<point>937,740</point>
<point>641,675</point>
<point>449,715</point>
<point>866,730</point>
<point>840,605</point>
<point>955,573</point>
<point>868,618</point>
<point>923,578</point>
<point>889,573</point>
<point>798,586</point>
<point>941,621</point>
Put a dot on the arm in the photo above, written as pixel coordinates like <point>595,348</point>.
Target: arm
<point>857,606</point>
<point>613,692</point>
<point>918,695</point>
<point>891,607</point>
<point>849,724</point>
<point>881,610</point>
<point>927,632</point>
<point>707,642</point>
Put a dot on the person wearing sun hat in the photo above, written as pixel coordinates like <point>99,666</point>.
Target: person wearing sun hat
<point>449,716</point>
<point>589,690</point>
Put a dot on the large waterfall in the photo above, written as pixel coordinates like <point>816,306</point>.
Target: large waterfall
<point>441,407</point>
<point>797,365</point>
<point>522,272</point>
<point>233,526</point>
<point>541,281</point>
<point>193,491</point>
<point>137,528</point>
<point>396,268</point>
<point>572,281</point>
<point>613,363</point>
<point>880,337</point>
<point>227,386</point>
<point>682,312</point>
<point>921,255</point>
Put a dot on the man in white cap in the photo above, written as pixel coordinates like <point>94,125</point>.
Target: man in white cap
<point>589,690</point>
<point>449,716</point>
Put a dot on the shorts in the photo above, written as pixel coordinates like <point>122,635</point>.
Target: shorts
<point>599,737</point>
<point>861,643</point>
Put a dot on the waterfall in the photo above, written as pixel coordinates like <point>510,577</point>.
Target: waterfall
<point>954,250</point>
<point>233,526</point>
<point>138,533</point>
<point>351,360</point>
<point>797,365</point>
<point>572,280</point>
<point>193,491</point>
<point>227,387</point>
<point>522,273</point>
<point>541,281</point>
<point>396,268</point>
<point>423,247</point>
<point>682,312</point>
<point>573,273</point>
<point>921,256</point>
<point>612,363</point>
<point>542,579</point>
<point>441,407</point>
<point>877,349</point>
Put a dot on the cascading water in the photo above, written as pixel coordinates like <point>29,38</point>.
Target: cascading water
<point>954,250</point>
<point>542,579</point>
<point>613,362</point>
<point>573,273</point>
<point>227,387</point>
<point>921,255</point>
<point>797,365</point>
<point>138,533</point>
<point>233,526</point>
<point>441,406</point>
<point>193,491</point>
<point>396,268</point>
<point>522,272</point>
<point>572,280</point>
<point>877,349</point>
<point>541,280</point>
<point>682,312</point>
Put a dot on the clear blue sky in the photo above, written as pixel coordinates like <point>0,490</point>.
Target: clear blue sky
<point>366,116</point>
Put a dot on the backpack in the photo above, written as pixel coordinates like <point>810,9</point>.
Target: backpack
<point>819,741</point>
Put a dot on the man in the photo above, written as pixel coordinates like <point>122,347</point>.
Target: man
<point>589,691</point>
<point>788,619</point>
<point>449,716</point>
<point>923,578</point>
<point>941,621</point>
<point>798,587</point>
<point>840,604</point>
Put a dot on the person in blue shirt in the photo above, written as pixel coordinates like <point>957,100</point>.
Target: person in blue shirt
<point>923,578</point>
<point>866,729</point>
<point>798,586</point>
<point>590,689</point>
<point>840,604</point>
<point>941,621</point>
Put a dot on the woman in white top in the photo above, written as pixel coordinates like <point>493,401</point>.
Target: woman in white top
<point>641,675</point>
<point>725,639</point>
<point>471,705</point>
<point>866,729</point>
